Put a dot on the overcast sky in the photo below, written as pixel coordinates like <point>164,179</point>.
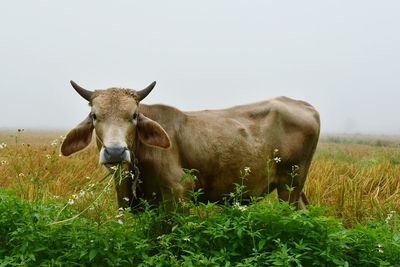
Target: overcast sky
<point>343,57</point>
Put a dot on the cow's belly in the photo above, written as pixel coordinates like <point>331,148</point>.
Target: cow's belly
<point>216,188</point>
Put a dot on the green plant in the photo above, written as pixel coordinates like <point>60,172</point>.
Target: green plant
<point>261,234</point>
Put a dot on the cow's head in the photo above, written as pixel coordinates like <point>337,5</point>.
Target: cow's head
<point>117,123</point>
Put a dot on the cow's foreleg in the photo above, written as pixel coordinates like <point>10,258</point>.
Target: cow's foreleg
<point>176,190</point>
<point>290,185</point>
<point>123,186</point>
<point>171,197</point>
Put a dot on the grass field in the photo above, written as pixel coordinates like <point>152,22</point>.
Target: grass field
<point>357,179</point>
<point>354,179</point>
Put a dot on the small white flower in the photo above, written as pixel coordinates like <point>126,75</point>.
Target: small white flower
<point>276,150</point>
<point>71,202</point>
<point>277,159</point>
<point>82,193</point>
<point>48,156</point>
<point>379,248</point>
<point>120,221</point>
<point>114,168</point>
<point>295,168</point>
<point>21,175</point>
<point>126,199</point>
<point>187,239</point>
<point>240,207</point>
<point>54,143</point>
<point>121,215</point>
<point>232,194</point>
<point>247,170</point>
<point>88,177</point>
<point>3,145</point>
<point>390,216</point>
<point>3,162</point>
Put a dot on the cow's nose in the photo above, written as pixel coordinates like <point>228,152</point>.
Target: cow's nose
<point>115,154</point>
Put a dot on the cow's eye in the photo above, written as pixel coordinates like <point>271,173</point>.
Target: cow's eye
<point>94,117</point>
<point>134,116</point>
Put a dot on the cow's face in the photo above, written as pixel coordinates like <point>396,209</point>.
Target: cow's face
<point>118,125</point>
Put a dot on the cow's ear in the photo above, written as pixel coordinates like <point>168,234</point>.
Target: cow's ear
<point>151,133</point>
<point>78,138</point>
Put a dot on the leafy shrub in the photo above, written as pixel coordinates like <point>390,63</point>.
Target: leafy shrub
<point>265,233</point>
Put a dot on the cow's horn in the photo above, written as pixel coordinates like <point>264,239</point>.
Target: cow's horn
<point>143,93</point>
<point>86,94</point>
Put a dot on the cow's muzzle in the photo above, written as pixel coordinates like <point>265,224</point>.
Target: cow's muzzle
<point>114,154</point>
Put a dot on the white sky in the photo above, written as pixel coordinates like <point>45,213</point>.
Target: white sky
<point>341,56</point>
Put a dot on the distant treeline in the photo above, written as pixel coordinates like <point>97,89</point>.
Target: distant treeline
<point>371,140</point>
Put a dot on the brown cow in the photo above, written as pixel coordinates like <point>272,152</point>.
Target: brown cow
<point>163,141</point>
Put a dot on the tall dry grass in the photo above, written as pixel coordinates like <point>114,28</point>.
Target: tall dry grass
<point>32,166</point>
<point>356,182</point>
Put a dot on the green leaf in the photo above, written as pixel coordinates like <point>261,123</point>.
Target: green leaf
<point>240,233</point>
<point>261,244</point>
<point>83,253</point>
<point>92,254</point>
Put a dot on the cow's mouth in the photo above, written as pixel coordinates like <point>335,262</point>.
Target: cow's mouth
<point>113,166</point>
<point>114,156</point>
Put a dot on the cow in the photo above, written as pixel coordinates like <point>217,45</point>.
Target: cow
<point>162,141</point>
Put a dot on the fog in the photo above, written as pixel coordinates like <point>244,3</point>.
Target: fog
<point>343,57</point>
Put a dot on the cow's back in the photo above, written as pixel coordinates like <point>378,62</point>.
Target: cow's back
<point>258,128</point>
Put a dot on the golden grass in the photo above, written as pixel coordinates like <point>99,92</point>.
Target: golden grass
<point>356,182</point>
<point>32,165</point>
<point>40,137</point>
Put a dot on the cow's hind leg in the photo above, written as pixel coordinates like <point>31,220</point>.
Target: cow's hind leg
<point>291,195</point>
<point>304,198</point>
<point>291,179</point>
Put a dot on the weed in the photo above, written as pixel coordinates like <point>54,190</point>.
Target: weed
<point>263,234</point>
